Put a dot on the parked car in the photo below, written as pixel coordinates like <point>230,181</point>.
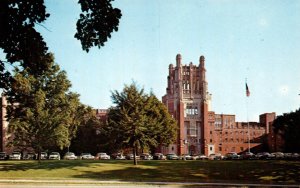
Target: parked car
<point>15,155</point>
<point>3,156</point>
<point>215,156</point>
<point>131,157</point>
<point>54,156</point>
<point>44,155</point>
<point>29,156</point>
<point>247,155</point>
<point>102,156</point>
<point>86,156</point>
<point>172,156</point>
<point>291,156</point>
<point>159,156</point>
<point>186,157</point>
<point>70,156</point>
<point>287,155</point>
<point>199,157</point>
<point>295,156</point>
<point>146,156</point>
<point>231,156</point>
<point>264,155</point>
<point>278,155</point>
<point>120,157</point>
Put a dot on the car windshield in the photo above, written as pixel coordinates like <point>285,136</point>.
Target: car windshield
<point>85,154</point>
<point>54,153</point>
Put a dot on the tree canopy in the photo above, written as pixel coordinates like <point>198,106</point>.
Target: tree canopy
<point>90,136</point>
<point>23,44</point>
<point>139,120</point>
<point>288,125</point>
<point>43,112</point>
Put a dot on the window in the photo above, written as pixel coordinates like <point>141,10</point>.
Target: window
<point>193,129</point>
<point>191,110</point>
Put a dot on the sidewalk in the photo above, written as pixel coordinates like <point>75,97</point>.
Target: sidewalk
<point>93,183</point>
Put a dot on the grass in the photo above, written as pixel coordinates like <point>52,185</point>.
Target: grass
<point>275,172</point>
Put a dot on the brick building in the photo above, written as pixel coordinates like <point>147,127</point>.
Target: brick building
<point>188,101</point>
<point>4,124</point>
<point>201,130</point>
<point>5,137</point>
<point>101,114</point>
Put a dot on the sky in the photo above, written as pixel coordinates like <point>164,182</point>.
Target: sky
<point>249,39</point>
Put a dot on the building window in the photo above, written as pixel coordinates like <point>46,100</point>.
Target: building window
<point>191,110</point>
<point>210,148</point>
<point>220,148</point>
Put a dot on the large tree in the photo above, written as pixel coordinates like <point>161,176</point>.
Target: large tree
<point>139,120</point>
<point>43,112</point>
<point>288,126</point>
<point>23,44</point>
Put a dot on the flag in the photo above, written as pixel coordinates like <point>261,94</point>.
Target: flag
<point>247,91</point>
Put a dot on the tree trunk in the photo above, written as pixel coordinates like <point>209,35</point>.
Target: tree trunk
<point>39,155</point>
<point>134,156</point>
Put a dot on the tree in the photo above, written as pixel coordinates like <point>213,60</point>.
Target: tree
<point>43,112</point>
<point>139,120</point>
<point>23,44</point>
<point>96,23</point>
<point>288,126</point>
<point>90,135</point>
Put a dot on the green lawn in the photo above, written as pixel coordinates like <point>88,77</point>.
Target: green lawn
<point>276,172</point>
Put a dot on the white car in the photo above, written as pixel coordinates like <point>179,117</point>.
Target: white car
<point>102,156</point>
<point>54,156</point>
<point>215,156</point>
<point>120,157</point>
<point>70,156</point>
<point>44,155</point>
<point>15,155</point>
<point>86,156</point>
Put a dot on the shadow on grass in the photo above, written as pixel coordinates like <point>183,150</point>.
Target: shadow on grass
<point>266,172</point>
<point>43,165</point>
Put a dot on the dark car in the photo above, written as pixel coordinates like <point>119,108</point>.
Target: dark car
<point>231,156</point>
<point>247,155</point>
<point>29,156</point>
<point>159,156</point>
<point>3,156</point>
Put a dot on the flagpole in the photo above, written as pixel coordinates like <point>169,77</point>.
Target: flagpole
<point>248,127</point>
<point>247,95</point>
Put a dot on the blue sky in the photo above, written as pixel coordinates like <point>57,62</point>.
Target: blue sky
<point>257,40</point>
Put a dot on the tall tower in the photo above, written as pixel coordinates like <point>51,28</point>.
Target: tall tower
<point>187,100</point>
